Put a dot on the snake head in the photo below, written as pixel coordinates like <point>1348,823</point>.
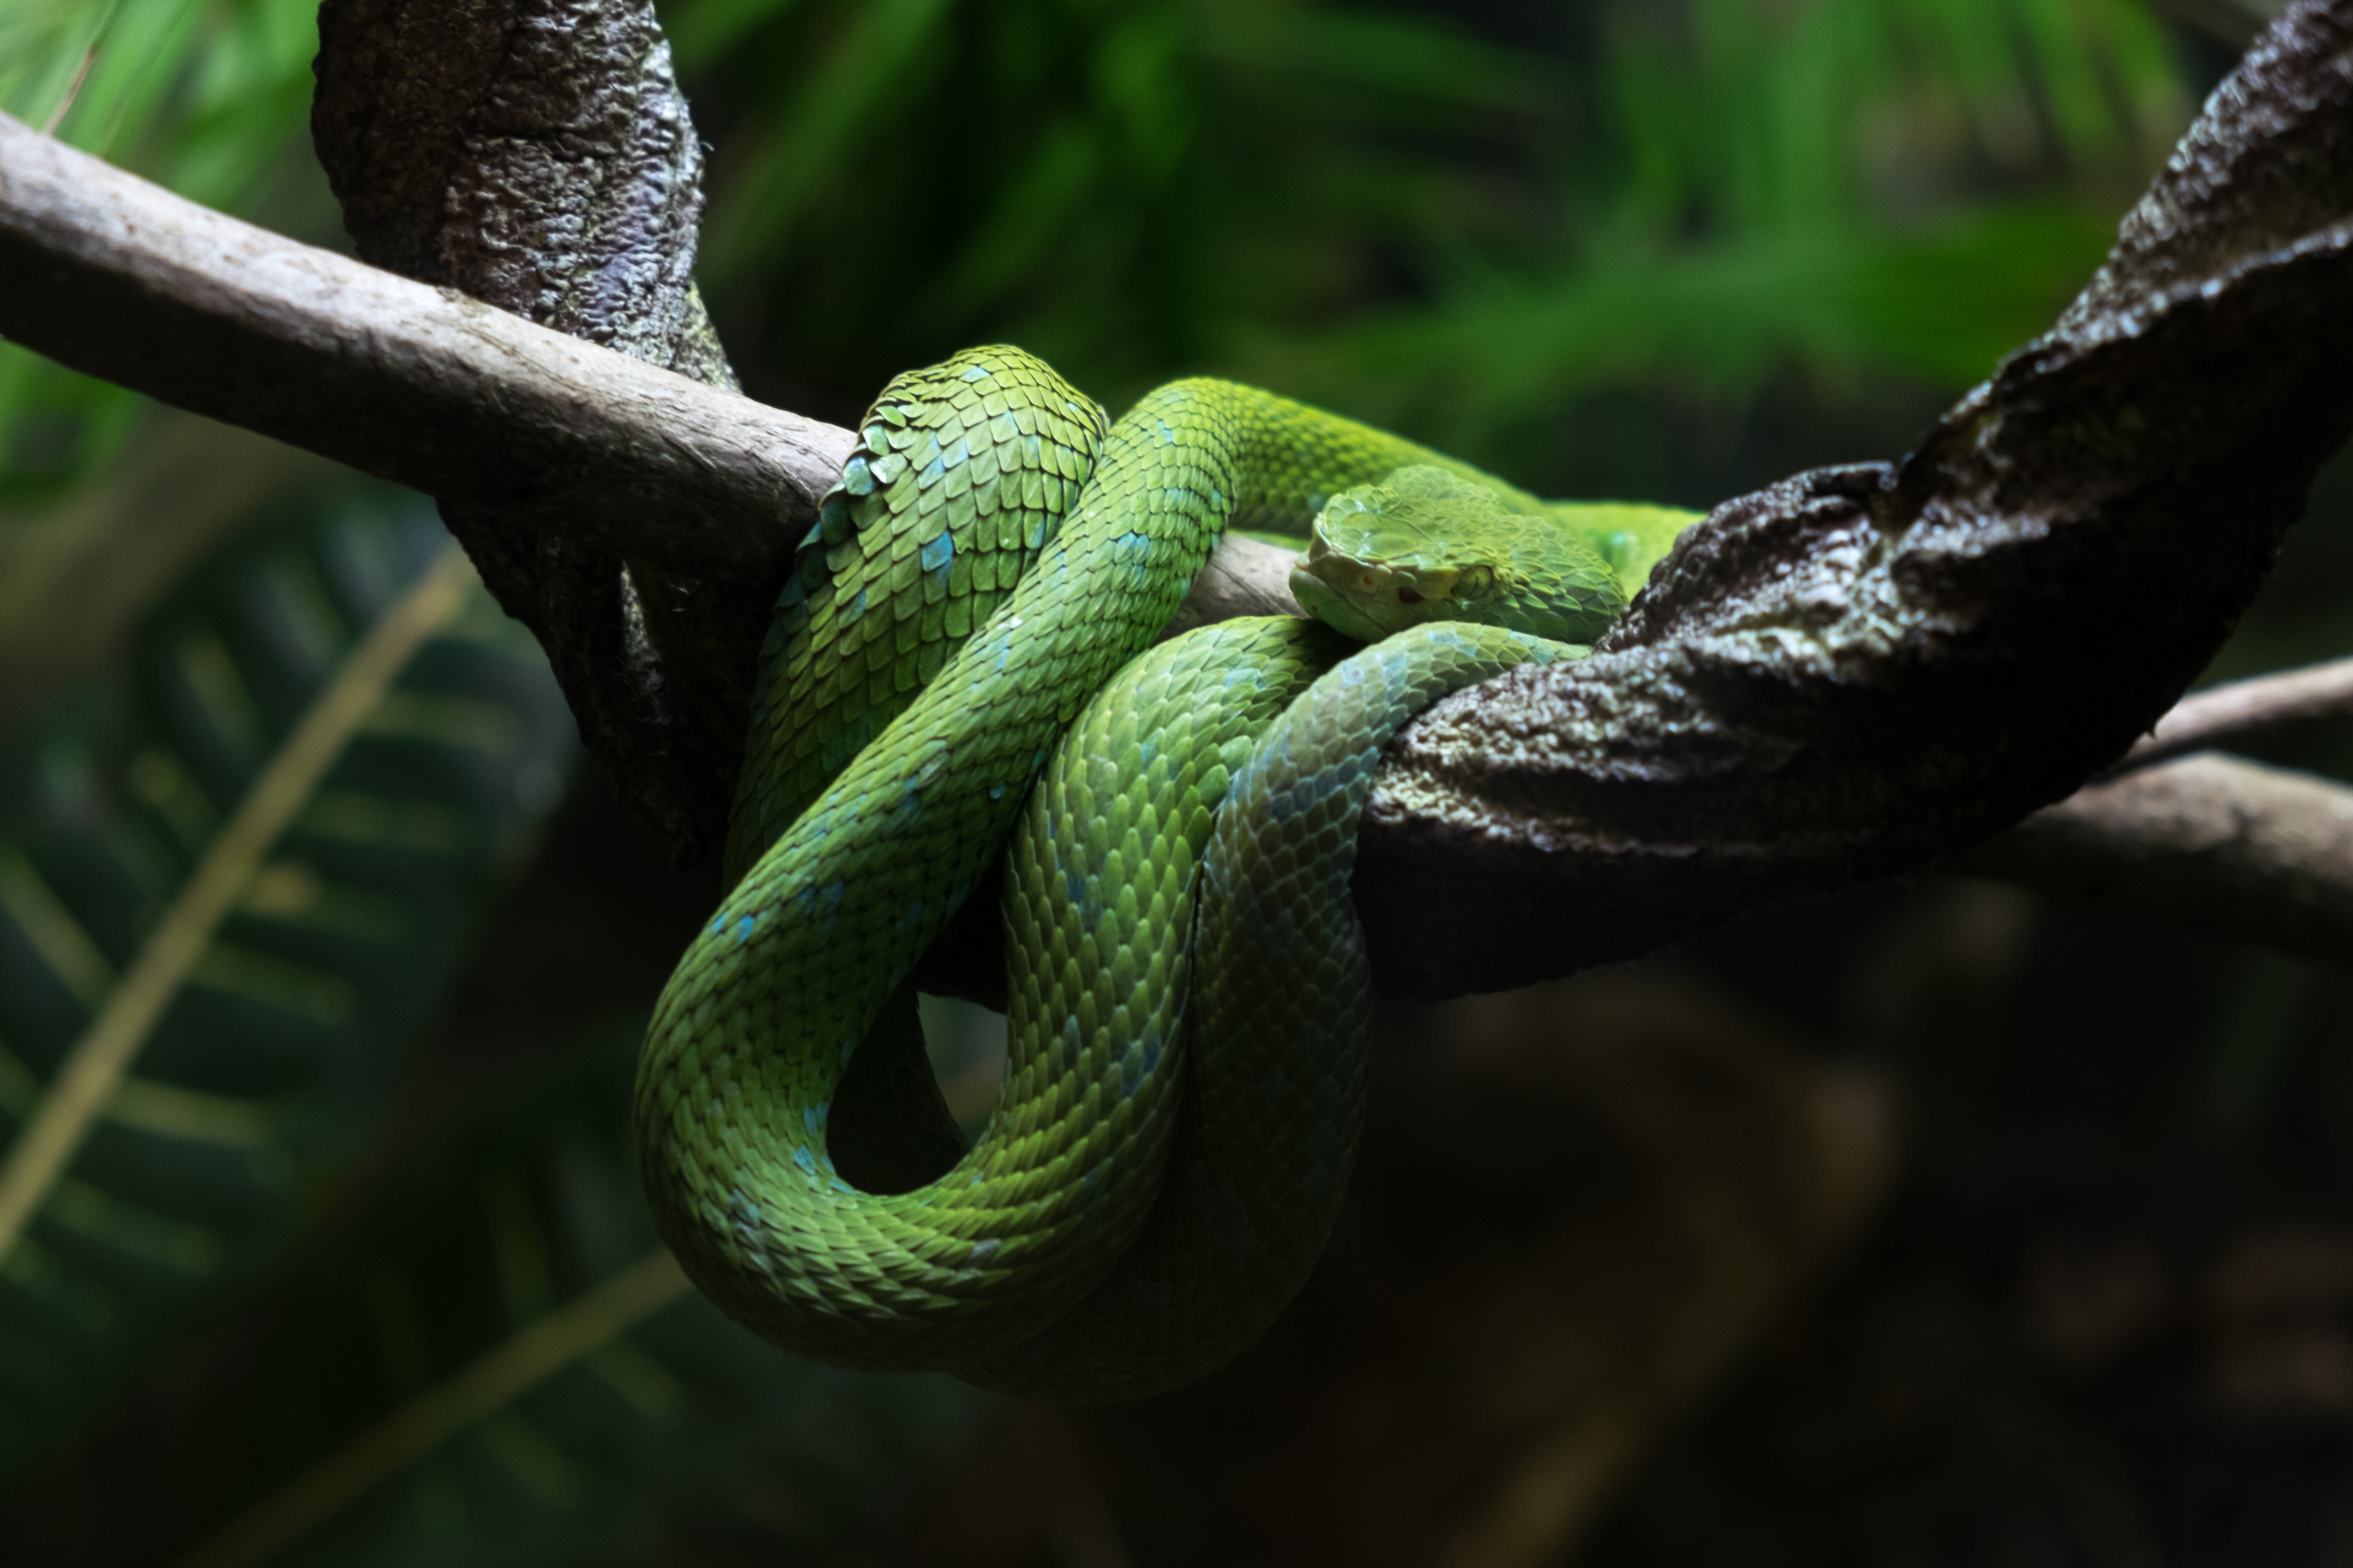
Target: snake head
<point>1428,546</point>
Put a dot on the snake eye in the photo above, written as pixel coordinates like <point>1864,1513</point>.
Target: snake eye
<point>1406,596</point>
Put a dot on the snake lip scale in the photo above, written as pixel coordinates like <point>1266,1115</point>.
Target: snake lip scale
<point>957,670</point>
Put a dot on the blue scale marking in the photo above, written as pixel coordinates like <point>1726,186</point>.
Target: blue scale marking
<point>824,905</point>
<point>936,555</point>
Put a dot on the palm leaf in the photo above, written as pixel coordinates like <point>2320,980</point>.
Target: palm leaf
<point>228,898</point>
<point>1742,222</point>
<point>495,1362</point>
<point>1940,307</point>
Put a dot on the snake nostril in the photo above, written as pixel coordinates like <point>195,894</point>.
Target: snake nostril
<point>1408,596</point>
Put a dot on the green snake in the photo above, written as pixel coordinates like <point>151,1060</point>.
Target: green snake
<point>960,658</point>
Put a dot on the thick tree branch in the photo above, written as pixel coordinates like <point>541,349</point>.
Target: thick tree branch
<point>2216,843</point>
<point>1852,672</point>
<point>1862,670</point>
<point>537,155</point>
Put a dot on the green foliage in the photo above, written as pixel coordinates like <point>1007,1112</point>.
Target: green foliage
<point>1388,212</point>
<point>281,1043</point>
<point>1683,197</point>
<point>206,96</point>
<point>1479,226</point>
<point>469,1350</point>
<point>663,1418</point>
<point>1857,186</point>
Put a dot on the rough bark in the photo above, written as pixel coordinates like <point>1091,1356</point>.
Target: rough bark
<point>1862,670</point>
<point>537,155</point>
<point>1853,672</point>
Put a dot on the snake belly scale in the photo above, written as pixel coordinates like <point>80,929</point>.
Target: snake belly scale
<point>980,582</point>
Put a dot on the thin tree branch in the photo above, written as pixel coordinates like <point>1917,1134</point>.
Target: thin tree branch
<point>1853,672</point>
<point>559,438</point>
<point>2222,714</point>
<point>2212,842</point>
<point>117,277</point>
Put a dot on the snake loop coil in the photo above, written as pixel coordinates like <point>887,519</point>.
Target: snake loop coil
<point>959,661</point>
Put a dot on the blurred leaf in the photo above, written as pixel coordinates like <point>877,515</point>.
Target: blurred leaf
<point>1686,195</point>
<point>865,79</point>
<point>77,576</point>
<point>495,1363</point>
<point>208,97</point>
<point>259,1045</point>
<point>1942,308</point>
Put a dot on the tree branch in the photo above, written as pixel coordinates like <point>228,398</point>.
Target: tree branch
<point>2222,714</point>
<point>537,155</point>
<point>1855,671</point>
<point>116,277</point>
<point>2215,843</point>
<point>1863,670</point>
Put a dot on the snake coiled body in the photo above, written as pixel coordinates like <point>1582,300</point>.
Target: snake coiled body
<point>980,581</point>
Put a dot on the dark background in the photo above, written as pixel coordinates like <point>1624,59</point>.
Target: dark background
<point>1927,1224</point>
